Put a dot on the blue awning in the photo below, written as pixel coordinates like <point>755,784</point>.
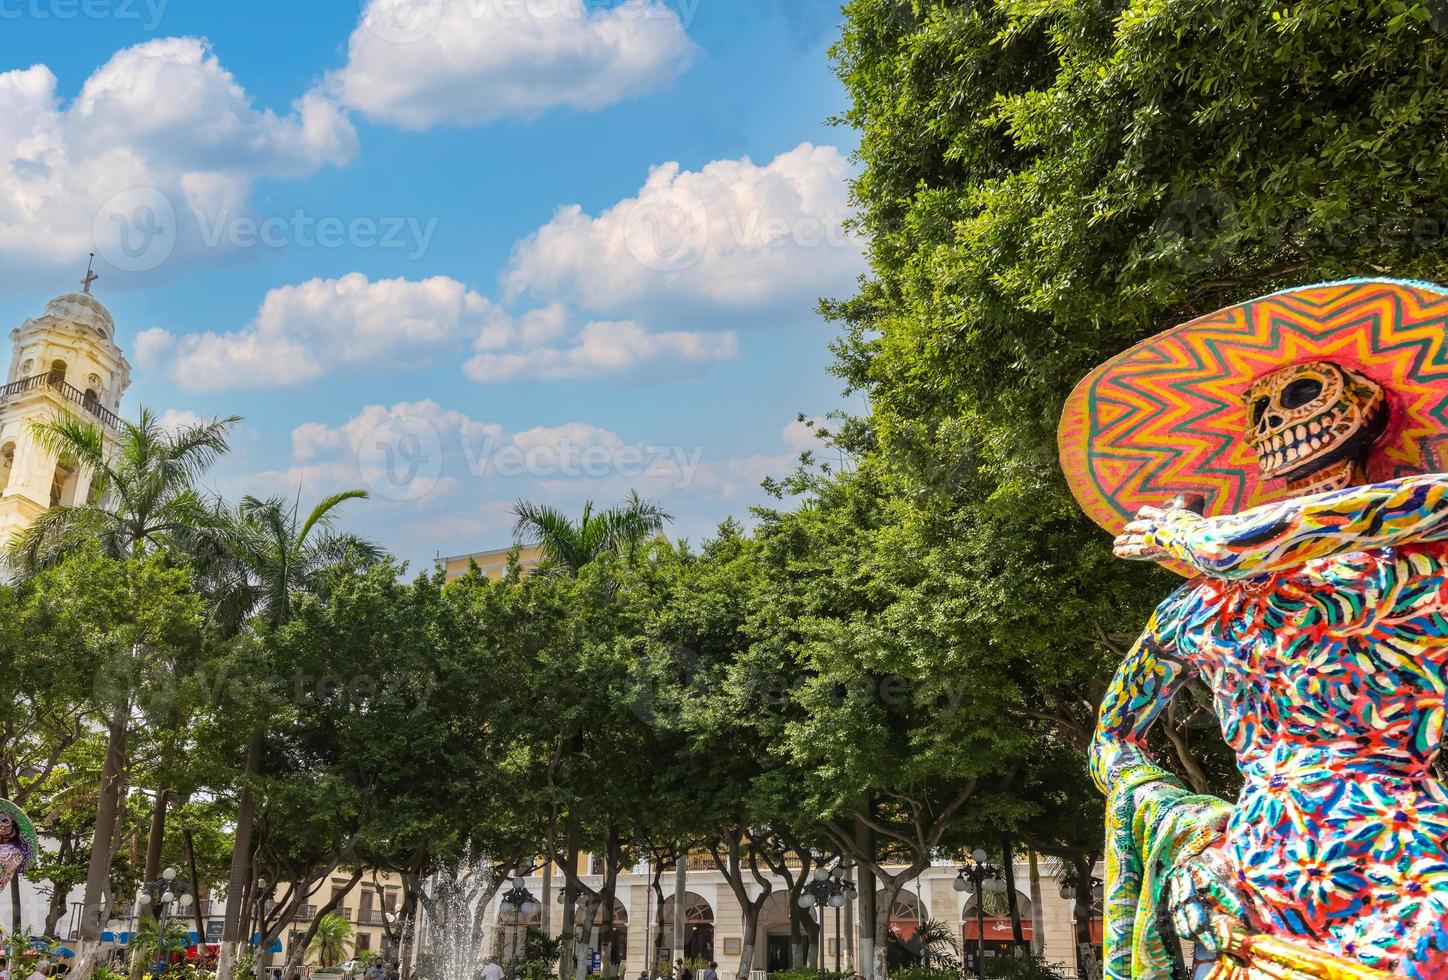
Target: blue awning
<point>120,938</point>
<point>275,947</point>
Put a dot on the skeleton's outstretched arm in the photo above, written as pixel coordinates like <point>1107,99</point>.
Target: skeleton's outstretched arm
<point>1144,684</point>
<point>1285,534</point>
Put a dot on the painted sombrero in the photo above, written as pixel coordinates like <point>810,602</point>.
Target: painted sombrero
<point>1167,417</point>
<point>25,830</point>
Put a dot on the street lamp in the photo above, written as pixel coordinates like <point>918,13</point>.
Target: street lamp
<point>164,896</point>
<point>983,877</point>
<point>827,888</point>
<point>523,903</point>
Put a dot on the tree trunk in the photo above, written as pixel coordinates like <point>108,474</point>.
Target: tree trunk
<point>1038,921</point>
<point>1008,865</point>
<point>848,939</point>
<point>545,914</point>
<point>568,953</point>
<point>870,960</point>
<point>681,892</point>
<point>233,928</point>
<point>198,911</point>
<point>98,873</point>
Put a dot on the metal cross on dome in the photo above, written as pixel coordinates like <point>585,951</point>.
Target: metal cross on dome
<point>90,275</point>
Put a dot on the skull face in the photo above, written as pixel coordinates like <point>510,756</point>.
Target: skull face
<point>7,828</point>
<point>1312,424</point>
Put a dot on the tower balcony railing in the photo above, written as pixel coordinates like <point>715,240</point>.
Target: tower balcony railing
<point>69,392</point>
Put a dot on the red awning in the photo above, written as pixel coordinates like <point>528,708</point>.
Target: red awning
<point>997,928</point>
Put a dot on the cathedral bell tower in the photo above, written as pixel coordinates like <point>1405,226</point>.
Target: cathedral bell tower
<point>63,362</point>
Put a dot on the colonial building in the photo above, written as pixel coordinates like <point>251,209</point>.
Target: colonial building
<point>64,361</point>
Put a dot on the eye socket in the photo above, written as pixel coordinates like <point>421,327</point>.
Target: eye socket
<point>1300,392</point>
<point>1259,409</point>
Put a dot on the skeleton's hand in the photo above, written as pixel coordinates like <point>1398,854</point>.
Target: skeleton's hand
<point>1199,891</point>
<point>1143,538</point>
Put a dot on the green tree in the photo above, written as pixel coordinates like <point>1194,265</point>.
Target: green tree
<point>144,492</point>
<point>568,548</point>
<point>261,558</point>
<point>569,545</point>
<point>331,941</point>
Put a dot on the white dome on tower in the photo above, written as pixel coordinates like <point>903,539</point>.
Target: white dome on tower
<point>84,309</point>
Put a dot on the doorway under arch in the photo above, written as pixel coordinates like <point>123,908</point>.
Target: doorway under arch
<point>698,927</point>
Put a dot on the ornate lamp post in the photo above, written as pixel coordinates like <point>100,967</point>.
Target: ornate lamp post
<point>983,877</point>
<point>827,888</point>
<point>163,896</point>
<point>1085,954</point>
<point>523,903</point>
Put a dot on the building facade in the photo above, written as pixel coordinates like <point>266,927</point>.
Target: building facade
<point>63,362</point>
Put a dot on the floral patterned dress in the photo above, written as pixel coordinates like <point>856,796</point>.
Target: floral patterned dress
<point>1329,674</point>
<point>12,859</point>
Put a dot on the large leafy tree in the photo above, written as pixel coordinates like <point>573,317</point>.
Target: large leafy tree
<point>257,561</point>
<point>144,495</point>
<point>569,547</point>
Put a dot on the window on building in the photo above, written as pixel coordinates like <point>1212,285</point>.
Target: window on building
<point>364,941</point>
<point>57,372</point>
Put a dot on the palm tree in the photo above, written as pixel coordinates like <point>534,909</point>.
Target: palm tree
<point>330,942</point>
<point>263,558</point>
<point>144,492</point>
<point>143,487</point>
<point>149,941</point>
<point>569,546</point>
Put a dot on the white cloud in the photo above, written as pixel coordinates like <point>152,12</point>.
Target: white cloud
<point>543,344</point>
<point>160,129</point>
<point>802,434</point>
<point>422,63</point>
<point>176,419</point>
<point>731,237</point>
<point>303,331</point>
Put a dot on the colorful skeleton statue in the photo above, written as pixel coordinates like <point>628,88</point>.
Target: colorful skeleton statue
<point>17,843</point>
<point>1285,454</point>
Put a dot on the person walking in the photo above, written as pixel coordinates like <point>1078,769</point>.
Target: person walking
<point>711,972</point>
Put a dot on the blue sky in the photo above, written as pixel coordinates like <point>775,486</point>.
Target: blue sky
<point>454,251</point>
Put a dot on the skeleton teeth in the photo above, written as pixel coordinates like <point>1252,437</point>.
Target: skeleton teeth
<point>1291,454</point>
<point>1301,433</point>
<point>1315,428</point>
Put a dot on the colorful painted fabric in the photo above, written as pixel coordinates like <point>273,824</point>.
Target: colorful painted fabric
<point>25,838</point>
<point>1327,655</point>
<point>1153,825</point>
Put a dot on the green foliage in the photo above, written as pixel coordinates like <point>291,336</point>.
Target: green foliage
<point>921,973</point>
<point>805,973</point>
<point>1022,967</point>
<point>333,939</point>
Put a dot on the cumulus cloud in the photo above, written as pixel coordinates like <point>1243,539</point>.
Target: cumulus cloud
<point>423,63</point>
<point>160,139</point>
<point>731,237</point>
<point>349,324</point>
<point>545,345</point>
<point>303,331</point>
